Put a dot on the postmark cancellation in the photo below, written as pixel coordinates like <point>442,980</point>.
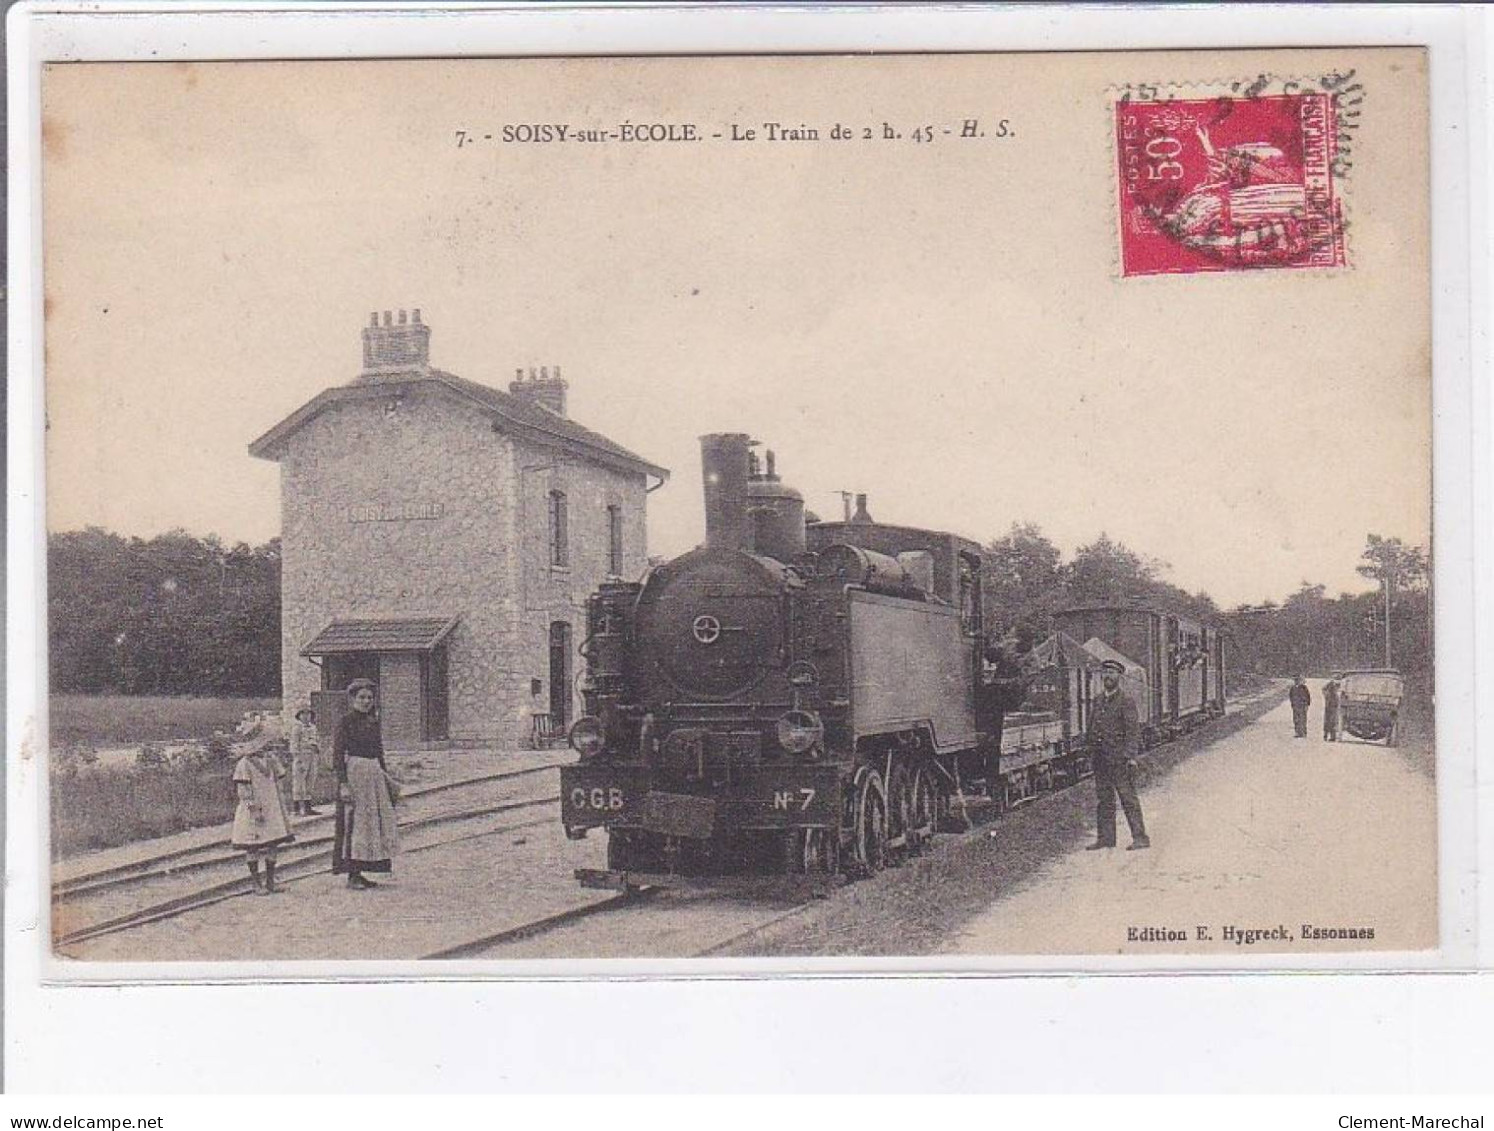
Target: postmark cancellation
<point>1228,183</point>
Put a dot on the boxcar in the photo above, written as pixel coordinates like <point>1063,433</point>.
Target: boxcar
<point>1180,661</point>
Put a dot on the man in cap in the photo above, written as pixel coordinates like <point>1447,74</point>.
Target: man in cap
<point>1301,699</point>
<point>1114,741</point>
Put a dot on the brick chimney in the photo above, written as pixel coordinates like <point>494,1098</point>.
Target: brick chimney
<point>395,345</point>
<point>543,389</point>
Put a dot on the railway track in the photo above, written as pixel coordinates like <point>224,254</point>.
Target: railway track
<point>718,918</point>
<point>715,922</point>
<point>474,947</point>
<point>217,853</point>
<point>719,932</point>
<point>303,860</point>
<point>300,867</point>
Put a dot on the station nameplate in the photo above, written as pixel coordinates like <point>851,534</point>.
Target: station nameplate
<point>395,512</point>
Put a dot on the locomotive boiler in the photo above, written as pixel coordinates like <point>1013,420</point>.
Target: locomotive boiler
<point>791,696</point>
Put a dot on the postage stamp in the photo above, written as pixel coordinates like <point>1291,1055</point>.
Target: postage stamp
<point>1228,184</point>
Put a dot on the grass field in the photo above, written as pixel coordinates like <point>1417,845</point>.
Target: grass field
<point>103,721</point>
<point>101,807</point>
<point>102,803</point>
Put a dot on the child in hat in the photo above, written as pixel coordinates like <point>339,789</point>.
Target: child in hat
<point>305,754</point>
<point>260,824</point>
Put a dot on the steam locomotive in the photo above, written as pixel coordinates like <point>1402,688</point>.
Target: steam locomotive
<point>808,697</point>
<point>791,696</point>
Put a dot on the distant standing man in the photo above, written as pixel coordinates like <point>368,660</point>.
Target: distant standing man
<point>1301,699</point>
<point>1115,740</point>
<point>305,750</point>
<point>1330,710</point>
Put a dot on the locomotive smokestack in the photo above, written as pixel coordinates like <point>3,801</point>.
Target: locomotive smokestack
<point>724,469</point>
<point>861,514</point>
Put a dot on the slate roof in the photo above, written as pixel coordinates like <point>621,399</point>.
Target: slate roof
<point>516,414</point>
<point>409,634</point>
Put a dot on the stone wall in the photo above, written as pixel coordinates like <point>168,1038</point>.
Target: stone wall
<point>417,507</point>
<point>552,593</point>
<point>430,453</point>
<point>399,700</point>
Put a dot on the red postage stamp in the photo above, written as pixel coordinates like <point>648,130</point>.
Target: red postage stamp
<point>1228,184</point>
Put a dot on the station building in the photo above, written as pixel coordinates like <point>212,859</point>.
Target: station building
<point>441,536</point>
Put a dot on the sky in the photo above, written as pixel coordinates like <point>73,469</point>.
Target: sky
<point>939,325</point>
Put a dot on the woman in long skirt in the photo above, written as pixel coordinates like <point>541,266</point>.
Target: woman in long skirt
<point>366,837</point>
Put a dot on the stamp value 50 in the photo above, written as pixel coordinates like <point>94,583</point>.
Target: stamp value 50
<point>1229,183</point>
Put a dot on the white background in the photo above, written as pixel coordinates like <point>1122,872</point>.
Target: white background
<point>1360,1032</point>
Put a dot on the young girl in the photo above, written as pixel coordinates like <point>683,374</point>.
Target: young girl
<point>260,824</point>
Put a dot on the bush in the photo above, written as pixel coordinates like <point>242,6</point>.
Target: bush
<point>193,758</point>
<point>180,777</point>
<point>104,806</point>
<point>85,753</point>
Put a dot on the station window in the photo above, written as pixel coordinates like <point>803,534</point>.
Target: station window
<point>560,551</point>
<point>615,540</point>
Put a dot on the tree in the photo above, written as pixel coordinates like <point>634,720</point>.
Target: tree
<point>1106,570</point>
<point>1407,567</point>
<point>1396,567</point>
<point>1310,632</point>
<point>1307,596</point>
<point>172,615</point>
<point>1024,581</point>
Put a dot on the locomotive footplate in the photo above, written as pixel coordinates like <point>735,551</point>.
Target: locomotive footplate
<point>767,797</point>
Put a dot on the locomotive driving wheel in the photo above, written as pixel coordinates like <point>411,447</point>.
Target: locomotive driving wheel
<point>1044,777</point>
<point>924,816</point>
<point>869,827</point>
<point>900,808</point>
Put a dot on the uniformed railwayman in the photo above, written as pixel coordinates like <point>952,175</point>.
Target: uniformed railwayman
<point>1114,742</point>
<point>1301,699</point>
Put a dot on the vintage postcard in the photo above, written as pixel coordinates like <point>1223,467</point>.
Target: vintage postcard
<point>973,510</point>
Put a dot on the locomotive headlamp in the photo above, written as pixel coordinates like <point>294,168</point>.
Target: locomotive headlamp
<point>800,731</point>
<point>587,737</point>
